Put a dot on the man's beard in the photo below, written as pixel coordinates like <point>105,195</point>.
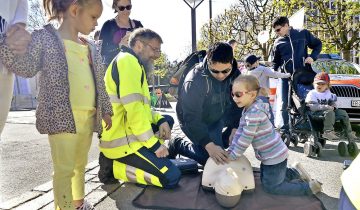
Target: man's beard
<point>148,66</point>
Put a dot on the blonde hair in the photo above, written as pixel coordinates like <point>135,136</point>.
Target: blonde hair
<point>251,84</point>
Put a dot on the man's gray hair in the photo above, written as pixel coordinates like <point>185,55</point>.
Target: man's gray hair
<point>143,34</point>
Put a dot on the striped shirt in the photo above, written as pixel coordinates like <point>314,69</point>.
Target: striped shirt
<point>256,129</point>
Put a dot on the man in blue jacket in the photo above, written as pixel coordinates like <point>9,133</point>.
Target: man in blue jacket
<point>290,54</point>
<point>205,107</point>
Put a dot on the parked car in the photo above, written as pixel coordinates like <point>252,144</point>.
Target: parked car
<point>345,82</point>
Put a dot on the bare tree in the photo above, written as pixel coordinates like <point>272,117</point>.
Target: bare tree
<point>243,22</point>
<point>36,18</point>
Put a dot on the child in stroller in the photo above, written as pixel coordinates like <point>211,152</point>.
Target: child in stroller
<point>322,105</point>
<point>306,124</point>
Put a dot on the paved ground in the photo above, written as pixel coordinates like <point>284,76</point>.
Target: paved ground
<point>35,196</point>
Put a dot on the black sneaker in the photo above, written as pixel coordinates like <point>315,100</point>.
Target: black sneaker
<point>173,151</point>
<point>105,174</point>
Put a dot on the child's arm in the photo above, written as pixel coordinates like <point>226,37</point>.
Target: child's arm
<point>26,65</point>
<point>332,101</point>
<point>245,134</point>
<point>274,74</point>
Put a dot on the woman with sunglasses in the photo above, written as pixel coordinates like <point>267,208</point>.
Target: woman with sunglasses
<point>116,31</point>
<point>204,105</point>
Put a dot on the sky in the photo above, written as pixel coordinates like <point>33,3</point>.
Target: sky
<point>171,19</point>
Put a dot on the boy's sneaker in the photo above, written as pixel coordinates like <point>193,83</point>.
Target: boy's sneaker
<point>315,186</point>
<point>330,135</point>
<point>351,136</point>
<point>304,175</point>
<point>85,206</point>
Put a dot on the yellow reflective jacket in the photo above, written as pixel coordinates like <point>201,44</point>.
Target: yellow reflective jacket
<point>131,123</point>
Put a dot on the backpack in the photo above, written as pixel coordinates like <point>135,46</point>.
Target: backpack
<point>177,80</point>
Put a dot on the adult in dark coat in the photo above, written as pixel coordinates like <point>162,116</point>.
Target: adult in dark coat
<point>205,107</point>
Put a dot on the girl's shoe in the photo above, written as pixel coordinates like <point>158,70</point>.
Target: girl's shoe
<point>304,175</point>
<point>85,206</point>
<point>315,186</point>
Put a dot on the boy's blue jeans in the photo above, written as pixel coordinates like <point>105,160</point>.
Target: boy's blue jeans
<point>198,152</point>
<point>281,180</point>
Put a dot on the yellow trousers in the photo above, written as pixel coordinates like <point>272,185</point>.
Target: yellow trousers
<point>69,153</point>
<point>6,92</point>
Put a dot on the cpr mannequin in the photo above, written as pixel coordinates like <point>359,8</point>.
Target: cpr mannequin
<point>228,180</point>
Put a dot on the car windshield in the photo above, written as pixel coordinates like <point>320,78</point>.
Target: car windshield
<point>336,67</point>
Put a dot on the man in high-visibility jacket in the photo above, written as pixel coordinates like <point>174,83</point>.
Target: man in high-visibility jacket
<point>130,151</point>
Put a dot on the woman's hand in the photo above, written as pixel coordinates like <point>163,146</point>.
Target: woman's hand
<point>17,39</point>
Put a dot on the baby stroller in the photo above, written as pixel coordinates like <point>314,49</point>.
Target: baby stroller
<point>304,127</point>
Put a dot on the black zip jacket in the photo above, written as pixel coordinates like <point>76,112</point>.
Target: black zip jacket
<point>203,100</point>
<point>294,47</point>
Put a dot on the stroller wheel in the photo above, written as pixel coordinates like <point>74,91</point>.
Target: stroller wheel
<point>286,138</point>
<point>342,148</point>
<point>352,149</point>
<point>295,140</point>
<point>318,148</point>
<point>309,149</point>
<point>322,142</point>
<point>302,138</point>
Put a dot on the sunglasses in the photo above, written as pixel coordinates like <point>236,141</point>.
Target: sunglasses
<point>248,65</point>
<point>239,94</point>
<point>278,29</point>
<point>127,7</point>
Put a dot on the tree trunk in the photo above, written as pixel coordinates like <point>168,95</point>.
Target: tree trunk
<point>346,54</point>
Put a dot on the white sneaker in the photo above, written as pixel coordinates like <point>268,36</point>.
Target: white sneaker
<point>304,175</point>
<point>351,136</point>
<point>330,135</point>
<point>85,206</point>
<point>315,186</point>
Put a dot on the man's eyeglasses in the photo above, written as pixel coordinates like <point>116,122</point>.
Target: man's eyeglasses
<point>156,50</point>
<point>278,29</point>
<point>127,7</point>
<point>239,94</point>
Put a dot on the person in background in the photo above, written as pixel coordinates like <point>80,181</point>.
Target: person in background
<point>72,97</point>
<point>233,43</point>
<point>256,129</point>
<point>116,31</point>
<point>322,102</point>
<point>290,54</point>
<point>133,150</point>
<point>263,74</point>
<point>13,15</point>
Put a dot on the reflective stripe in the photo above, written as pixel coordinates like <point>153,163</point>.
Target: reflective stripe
<point>164,170</point>
<point>131,173</point>
<point>126,140</point>
<point>129,99</point>
<point>146,135</point>
<point>118,142</point>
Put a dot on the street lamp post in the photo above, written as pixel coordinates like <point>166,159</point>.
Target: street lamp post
<point>193,4</point>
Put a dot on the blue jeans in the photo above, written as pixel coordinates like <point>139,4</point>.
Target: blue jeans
<point>280,180</point>
<point>198,152</point>
<point>282,97</point>
<point>266,100</point>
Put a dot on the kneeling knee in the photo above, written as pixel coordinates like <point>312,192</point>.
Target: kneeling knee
<point>172,177</point>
